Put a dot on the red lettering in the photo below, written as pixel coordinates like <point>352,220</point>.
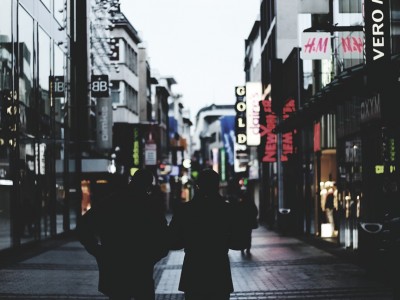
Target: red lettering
<point>310,45</point>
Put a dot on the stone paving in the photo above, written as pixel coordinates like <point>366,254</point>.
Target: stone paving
<point>280,267</point>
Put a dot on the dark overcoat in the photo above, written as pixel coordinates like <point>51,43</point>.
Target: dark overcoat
<point>127,234</point>
<point>202,228</point>
<point>245,214</point>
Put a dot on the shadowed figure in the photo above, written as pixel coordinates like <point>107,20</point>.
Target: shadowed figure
<point>202,227</point>
<point>245,214</point>
<point>127,234</point>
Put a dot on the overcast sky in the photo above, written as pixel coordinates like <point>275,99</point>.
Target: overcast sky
<point>199,43</point>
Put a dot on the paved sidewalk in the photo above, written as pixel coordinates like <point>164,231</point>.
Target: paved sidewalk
<point>280,267</point>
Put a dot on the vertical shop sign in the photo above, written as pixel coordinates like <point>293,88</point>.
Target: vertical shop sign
<point>317,137</point>
<point>136,162</point>
<point>287,138</point>
<point>104,123</point>
<point>222,171</point>
<point>269,144</point>
<point>228,136</point>
<point>377,41</point>
<point>240,148</point>
<point>253,97</point>
<point>240,107</point>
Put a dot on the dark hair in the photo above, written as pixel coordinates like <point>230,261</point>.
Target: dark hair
<point>142,179</point>
<point>208,181</point>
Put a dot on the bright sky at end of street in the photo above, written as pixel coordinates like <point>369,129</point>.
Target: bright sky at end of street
<point>199,43</point>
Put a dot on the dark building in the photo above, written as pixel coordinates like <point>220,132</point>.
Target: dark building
<point>344,127</point>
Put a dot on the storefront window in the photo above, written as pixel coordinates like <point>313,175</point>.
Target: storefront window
<point>5,87</point>
<point>28,212</point>
<point>26,93</point>
<point>44,75</point>
<point>60,123</point>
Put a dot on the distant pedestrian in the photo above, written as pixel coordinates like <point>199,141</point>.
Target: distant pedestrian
<point>202,228</point>
<point>245,216</point>
<point>126,233</point>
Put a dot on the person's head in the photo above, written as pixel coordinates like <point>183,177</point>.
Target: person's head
<point>142,179</point>
<point>208,182</point>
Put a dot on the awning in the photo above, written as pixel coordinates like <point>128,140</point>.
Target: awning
<point>349,82</point>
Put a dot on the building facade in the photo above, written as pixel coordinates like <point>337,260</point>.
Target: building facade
<point>321,85</point>
<point>34,122</point>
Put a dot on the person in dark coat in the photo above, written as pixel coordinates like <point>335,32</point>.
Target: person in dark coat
<point>127,234</point>
<point>202,228</point>
<point>245,215</point>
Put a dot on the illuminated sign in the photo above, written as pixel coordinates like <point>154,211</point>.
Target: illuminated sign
<point>100,86</point>
<point>136,148</point>
<point>351,44</point>
<point>317,137</point>
<point>240,108</point>
<point>316,45</point>
<point>223,164</point>
<point>239,148</point>
<point>287,138</point>
<point>104,123</point>
<point>377,40</point>
<point>253,97</point>
<point>269,139</point>
<point>57,86</point>
<point>380,169</point>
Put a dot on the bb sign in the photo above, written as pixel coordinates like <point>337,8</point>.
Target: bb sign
<point>100,86</point>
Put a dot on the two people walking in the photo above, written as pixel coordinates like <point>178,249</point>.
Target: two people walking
<point>129,234</point>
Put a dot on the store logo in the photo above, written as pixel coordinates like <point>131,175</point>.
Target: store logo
<point>100,86</point>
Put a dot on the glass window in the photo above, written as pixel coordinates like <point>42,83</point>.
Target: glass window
<point>115,92</point>
<point>28,204</point>
<point>44,62</point>
<point>349,6</point>
<point>60,123</point>
<point>5,88</point>
<point>25,61</point>
<point>395,26</point>
<point>59,98</point>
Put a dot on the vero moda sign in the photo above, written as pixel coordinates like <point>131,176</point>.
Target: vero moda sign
<point>377,41</point>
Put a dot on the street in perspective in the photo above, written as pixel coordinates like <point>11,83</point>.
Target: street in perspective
<point>278,267</point>
<point>116,113</point>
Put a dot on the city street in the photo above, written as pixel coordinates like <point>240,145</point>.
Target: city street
<point>279,267</point>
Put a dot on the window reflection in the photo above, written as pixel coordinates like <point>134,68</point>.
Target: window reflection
<point>44,75</point>
<point>5,87</point>
<point>60,124</point>
<point>26,95</point>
